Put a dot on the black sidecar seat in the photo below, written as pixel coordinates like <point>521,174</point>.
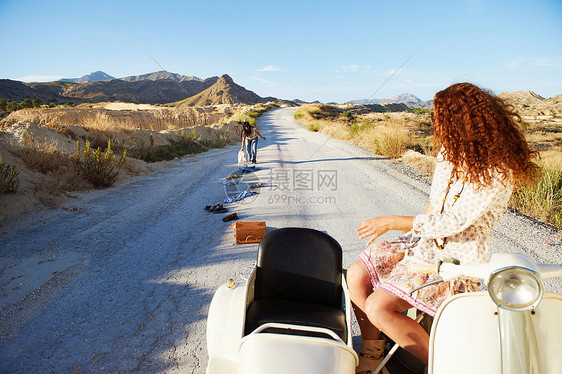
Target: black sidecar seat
<point>299,282</point>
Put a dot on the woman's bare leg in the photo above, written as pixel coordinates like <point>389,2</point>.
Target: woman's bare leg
<point>360,288</point>
<point>385,311</point>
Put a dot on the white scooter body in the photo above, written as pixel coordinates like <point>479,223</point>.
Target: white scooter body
<point>231,350</point>
<point>471,334</point>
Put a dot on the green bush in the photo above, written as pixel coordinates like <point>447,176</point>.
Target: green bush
<point>97,167</point>
<point>314,127</point>
<point>347,116</point>
<point>9,181</point>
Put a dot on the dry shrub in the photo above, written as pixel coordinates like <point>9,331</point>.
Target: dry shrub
<point>390,141</point>
<point>42,157</point>
<point>105,120</point>
<point>552,158</point>
<point>52,188</point>
<point>543,200</point>
<point>421,162</point>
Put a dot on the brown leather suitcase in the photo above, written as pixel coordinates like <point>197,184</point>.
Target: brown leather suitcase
<point>249,232</point>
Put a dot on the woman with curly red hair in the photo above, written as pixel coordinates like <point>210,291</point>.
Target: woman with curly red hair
<point>482,155</point>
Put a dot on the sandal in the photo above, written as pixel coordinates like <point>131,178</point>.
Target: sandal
<point>216,208</point>
<point>371,355</point>
<point>230,217</point>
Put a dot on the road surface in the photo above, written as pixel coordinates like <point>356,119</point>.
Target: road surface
<point>121,281</point>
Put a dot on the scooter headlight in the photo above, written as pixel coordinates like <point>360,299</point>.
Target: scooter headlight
<point>515,288</point>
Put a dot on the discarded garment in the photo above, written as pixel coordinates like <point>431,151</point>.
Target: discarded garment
<point>240,196</point>
<point>247,169</point>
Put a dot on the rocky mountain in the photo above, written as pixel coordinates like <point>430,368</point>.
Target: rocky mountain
<point>161,75</point>
<point>160,87</point>
<point>138,92</point>
<point>92,77</point>
<point>523,97</point>
<point>529,103</point>
<point>403,98</point>
<point>224,91</point>
<point>17,91</point>
<point>148,91</point>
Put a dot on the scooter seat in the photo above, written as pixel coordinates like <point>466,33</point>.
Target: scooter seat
<point>296,313</point>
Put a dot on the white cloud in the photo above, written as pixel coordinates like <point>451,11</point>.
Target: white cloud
<point>264,81</point>
<point>553,62</point>
<point>39,78</point>
<point>543,62</point>
<point>354,68</point>
<point>270,68</point>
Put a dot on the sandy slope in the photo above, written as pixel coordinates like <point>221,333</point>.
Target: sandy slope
<point>124,283</point>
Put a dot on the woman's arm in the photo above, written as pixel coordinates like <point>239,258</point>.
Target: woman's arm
<point>257,132</point>
<point>377,226</point>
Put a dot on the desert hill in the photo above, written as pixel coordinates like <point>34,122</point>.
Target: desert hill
<point>152,90</point>
<point>95,76</point>
<point>138,92</point>
<point>18,91</point>
<point>224,91</point>
<point>405,98</point>
<point>161,75</point>
<point>160,87</point>
<point>529,103</point>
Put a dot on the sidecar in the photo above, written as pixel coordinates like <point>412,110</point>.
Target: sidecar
<point>291,316</point>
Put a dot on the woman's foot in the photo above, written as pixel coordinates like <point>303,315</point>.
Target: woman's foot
<point>372,353</point>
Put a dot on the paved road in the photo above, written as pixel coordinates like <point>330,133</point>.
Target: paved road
<point>123,284</point>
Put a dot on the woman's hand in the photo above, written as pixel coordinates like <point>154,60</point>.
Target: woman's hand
<point>374,227</point>
<point>377,226</point>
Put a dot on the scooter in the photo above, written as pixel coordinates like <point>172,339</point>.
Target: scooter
<point>293,315</point>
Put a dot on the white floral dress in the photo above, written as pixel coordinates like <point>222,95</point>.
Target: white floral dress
<point>464,227</point>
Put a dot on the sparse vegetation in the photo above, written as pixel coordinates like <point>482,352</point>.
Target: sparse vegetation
<point>10,106</point>
<point>97,167</point>
<point>43,157</point>
<point>384,134</point>
<point>9,181</point>
<point>543,200</point>
<point>183,146</point>
<point>157,119</point>
<point>420,110</point>
<point>397,135</point>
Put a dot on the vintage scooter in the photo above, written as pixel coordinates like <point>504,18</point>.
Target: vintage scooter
<point>293,315</point>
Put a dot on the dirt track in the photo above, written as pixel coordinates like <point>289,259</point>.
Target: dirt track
<point>124,282</point>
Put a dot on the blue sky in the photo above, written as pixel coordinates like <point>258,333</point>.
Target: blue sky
<point>311,50</point>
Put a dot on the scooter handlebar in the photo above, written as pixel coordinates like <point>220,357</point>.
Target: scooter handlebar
<point>449,271</point>
<point>547,271</point>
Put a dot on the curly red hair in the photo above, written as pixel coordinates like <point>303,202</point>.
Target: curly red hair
<point>480,134</point>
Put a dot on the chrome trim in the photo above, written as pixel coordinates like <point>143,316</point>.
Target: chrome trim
<point>533,273</point>
<point>519,348</point>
